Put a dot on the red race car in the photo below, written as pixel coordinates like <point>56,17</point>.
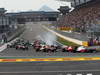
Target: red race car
<point>21,47</point>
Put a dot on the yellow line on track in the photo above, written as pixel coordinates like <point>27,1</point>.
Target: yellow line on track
<point>52,59</point>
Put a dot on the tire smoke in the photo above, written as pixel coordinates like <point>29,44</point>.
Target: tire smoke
<point>48,38</point>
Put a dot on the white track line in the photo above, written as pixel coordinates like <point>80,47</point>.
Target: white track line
<point>98,70</point>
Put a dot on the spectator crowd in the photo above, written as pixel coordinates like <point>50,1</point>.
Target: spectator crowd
<point>82,18</point>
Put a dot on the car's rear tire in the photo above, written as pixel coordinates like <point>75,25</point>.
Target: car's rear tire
<point>16,48</point>
<point>94,51</point>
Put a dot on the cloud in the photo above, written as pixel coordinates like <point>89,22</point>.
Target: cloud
<point>24,5</point>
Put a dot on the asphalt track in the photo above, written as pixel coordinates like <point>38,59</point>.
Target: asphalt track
<point>34,31</point>
<point>46,67</point>
<point>51,68</point>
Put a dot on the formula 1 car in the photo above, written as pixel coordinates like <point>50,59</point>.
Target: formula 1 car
<point>11,45</point>
<point>91,50</point>
<point>83,49</point>
<point>67,49</point>
<point>22,47</point>
<point>42,46</point>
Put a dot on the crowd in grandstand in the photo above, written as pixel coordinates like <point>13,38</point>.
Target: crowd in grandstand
<point>82,18</point>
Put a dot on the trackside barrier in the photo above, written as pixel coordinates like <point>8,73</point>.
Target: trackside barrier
<point>65,28</point>
<point>3,47</point>
<point>11,39</point>
<point>84,43</point>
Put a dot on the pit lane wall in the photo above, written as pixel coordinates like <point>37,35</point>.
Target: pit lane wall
<point>14,37</point>
<point>79,42</point>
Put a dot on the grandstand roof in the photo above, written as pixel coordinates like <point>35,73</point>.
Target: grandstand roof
<point>76,2</point>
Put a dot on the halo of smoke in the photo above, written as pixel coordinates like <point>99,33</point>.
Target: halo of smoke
<point>49,38</point>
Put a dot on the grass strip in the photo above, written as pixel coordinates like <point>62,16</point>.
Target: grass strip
<point>66,42</point>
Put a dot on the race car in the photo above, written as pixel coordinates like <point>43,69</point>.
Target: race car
<point>11,45</point>
<point>38,48</point>
<point>64,48</point>
<point>22,47</point>
<point>70,49</point>
<point>53,48</point>
<point>81,49</point>
<point>47,48</point>
<point>67,49</point>
<point>91,50</point>
<point>42,48</point>
<point>40,45</point>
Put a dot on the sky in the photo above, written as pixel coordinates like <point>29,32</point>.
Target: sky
<point>29,5</point>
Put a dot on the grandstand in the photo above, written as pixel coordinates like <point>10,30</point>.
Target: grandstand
<point>85,18</point>
<point>75,3</point>
<point>33,16</point>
